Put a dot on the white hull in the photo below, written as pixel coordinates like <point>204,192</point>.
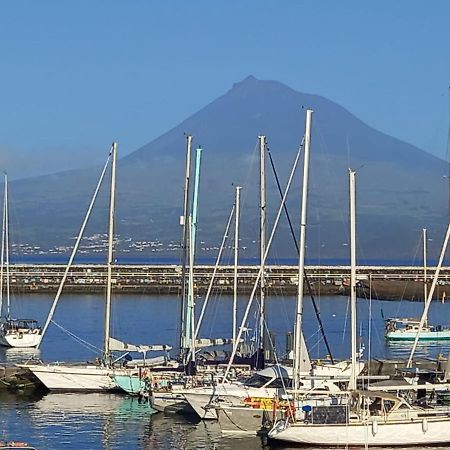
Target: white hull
<point>20,340</point>
<point>424,336</point>
<point>74,377</point>
<point>393,433</point>
<point>203,400</point>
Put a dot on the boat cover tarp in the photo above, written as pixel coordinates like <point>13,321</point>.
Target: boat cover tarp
<point>200,343</point>
<point>118,346</point>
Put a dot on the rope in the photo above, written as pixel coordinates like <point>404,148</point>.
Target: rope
<point>86,344</point>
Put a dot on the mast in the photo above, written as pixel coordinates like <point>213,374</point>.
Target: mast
<point>262,239</point>
<point>8,298</point>
<point>3,243</point>
<point>112,199</point>
<point>190,327</point>
<point>424,234</point>
<point>301,263</point>
<point>258,277</point>
<point>352,383</point>
<point>184,240</point>
<point>74,251</point>
<point>308,283</point>
<point>236,255</point>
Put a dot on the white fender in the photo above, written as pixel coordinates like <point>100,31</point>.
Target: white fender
<point>424,425</point>
<point>374,428</point>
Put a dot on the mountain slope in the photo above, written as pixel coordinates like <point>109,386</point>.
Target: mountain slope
<point>400,188</point>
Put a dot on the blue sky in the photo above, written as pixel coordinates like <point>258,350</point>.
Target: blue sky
<point>75,75</point>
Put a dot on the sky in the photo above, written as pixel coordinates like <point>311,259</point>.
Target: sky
<point>76,75</point>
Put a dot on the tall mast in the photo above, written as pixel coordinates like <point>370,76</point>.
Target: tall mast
<point>74,251</point>
<point>8,298</point>
<point>424,234</point>
<point>184,240</point>
<point>5,251</point>
<point>190,327</point>
<point>258,277</point>
<point>352,383</point>
<point>112,199</point>
<point>301,260</point>
<point>262,235</point>
<point>2,262</point>
<point>236,255</point>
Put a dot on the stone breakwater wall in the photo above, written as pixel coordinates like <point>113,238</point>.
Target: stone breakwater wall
<point>378,281</point>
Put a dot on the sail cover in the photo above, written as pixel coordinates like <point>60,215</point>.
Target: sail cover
<point>118,346</point>
<point>199,343</point>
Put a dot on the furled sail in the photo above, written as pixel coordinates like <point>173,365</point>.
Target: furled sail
<point>200,343</point>
<point>118,346</point>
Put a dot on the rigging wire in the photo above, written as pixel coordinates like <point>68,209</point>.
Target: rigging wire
<point>308,283</point>
<point>75,248</point>
<point>260,273</point>
<point>86,344</point>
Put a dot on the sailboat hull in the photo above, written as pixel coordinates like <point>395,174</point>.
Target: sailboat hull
<point>20,340</point>
<point>418,432</point>
<point>87,378</point>
<point>424,336</point>
<point>132,385</point>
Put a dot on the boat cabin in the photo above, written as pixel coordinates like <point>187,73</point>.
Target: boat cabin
<point>405,324</point>
<point>13,326</point>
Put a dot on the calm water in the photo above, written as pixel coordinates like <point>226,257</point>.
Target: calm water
<point>102,421</point>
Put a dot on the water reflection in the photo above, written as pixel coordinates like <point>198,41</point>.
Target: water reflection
<point>18,355</point>
<point>114,422</point>
<point>111,421</point>
<point>425,349</point>
<point>94,420</point>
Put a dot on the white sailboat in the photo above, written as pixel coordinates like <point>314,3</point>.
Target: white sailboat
<point>98,376</point>
<point>18,333</point>
<point>366,418</point>
<point>400,329</point>
<point>85,377</point>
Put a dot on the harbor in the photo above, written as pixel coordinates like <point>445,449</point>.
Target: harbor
<point>104,420</point>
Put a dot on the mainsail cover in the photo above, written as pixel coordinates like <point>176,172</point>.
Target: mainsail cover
<point>118,346</point>
<point>200,343</point>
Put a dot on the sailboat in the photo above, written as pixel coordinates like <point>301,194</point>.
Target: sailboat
<point>98,376</point>
<point>405,329</point>
<point>363,418</point>
<point>18,333</point>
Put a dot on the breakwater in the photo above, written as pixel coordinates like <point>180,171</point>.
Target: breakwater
<point>374,281</point>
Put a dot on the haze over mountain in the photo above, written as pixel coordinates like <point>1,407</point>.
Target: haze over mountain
<point>400,188</point>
